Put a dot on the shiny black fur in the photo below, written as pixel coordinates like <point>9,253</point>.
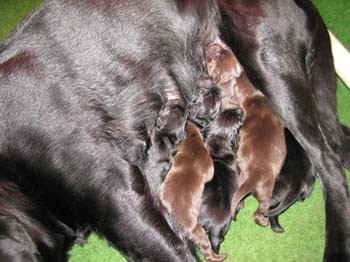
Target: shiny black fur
<point>81,83</point>
<point>168,132</point>
<point>221,137</point>
<point>286,53</point>
<point>206,103</point>
<point>294,183</point>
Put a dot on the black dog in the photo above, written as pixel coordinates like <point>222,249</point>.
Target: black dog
<point>291,63</point>
<point>222,139</point>
<point>295,182</point>
<point>82,82</point>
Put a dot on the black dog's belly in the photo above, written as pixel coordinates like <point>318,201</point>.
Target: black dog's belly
<point>81,84</point>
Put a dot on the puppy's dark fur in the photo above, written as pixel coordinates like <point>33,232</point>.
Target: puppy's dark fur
<point>222,139</point>
<point>73,71</point>
<point>206,103</point>
<point>181,192</point>
<point>262,147</point>
<point>295,182</point>
<point>168,132</point>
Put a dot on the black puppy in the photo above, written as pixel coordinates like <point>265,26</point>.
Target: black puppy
<point>206,103</point>
<point>169,129</point>
<point>221,137</point>
<point>291,63</point>
<point>295,182</point>
<point>167,133</point>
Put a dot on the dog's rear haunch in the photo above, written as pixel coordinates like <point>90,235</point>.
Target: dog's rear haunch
<point>81,83</point>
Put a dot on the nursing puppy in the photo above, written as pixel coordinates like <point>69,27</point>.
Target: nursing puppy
<point>170,126</point>
<point>262,147</point>
<point>225,75</point>
<point>294,183</point>
<point>168,131</point>
<point>205,103</point>
<point>221,137</point>
<point>181,192</point>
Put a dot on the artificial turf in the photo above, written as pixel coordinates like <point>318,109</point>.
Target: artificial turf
<point>303,239</point>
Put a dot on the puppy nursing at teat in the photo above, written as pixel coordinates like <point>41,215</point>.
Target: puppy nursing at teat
<point>221,137</point>
<point>180,195</point>
<point>262,146</point>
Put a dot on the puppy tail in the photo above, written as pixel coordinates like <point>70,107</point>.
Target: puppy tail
<point>245,188</point>
<point>345,146</point>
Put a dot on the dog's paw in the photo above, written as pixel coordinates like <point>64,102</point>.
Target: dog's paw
<point>261,220</point>
<point>215,257</point>
<point>277,229</point>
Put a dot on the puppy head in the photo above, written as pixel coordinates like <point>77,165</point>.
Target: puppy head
<point>217,234</point>
<point>227,125</point>
<point>206,102</point>
<point>222,64</point>
<point>171,120</point>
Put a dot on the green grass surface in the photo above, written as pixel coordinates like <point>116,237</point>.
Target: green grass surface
<point>303,239</point>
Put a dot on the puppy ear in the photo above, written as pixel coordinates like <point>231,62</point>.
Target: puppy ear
<point>159,123</point>
<point>193,110</point>
<point>216,75</point>
<point>213,52</point>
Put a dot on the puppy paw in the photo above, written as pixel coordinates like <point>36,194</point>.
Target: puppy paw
<point>261,220</point>
<point>277,229</point>
<point>215,257</point>
<point>171,121</point>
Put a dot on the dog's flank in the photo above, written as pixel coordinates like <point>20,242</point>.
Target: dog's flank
<point>297,75</point>
<point>222,139</point>
<point>181,192</point>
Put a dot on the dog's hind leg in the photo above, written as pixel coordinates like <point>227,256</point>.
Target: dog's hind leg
<point>244,189</point>
<point>275,225</point>
<point>298,88</point>
<point>345,146</point>
<point>263,193</point>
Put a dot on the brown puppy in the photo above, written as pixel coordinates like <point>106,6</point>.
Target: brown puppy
<point>225,75</point>
<point>181,192</point>
<point>262,147</point>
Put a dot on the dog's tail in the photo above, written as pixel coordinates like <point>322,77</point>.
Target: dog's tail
<point>244,189</point>
<point>345,146</point>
